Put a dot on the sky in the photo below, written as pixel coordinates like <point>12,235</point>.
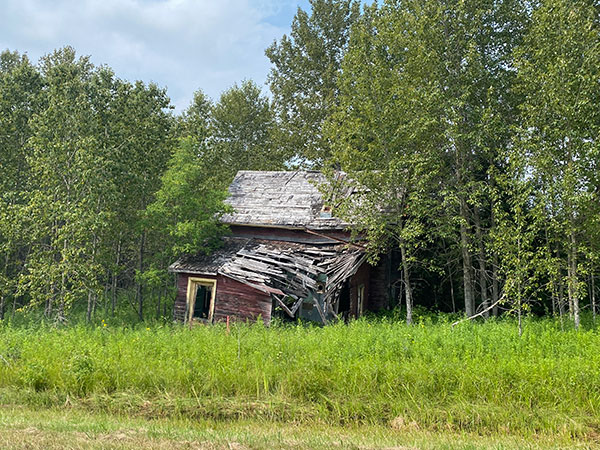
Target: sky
<point>181,45</point>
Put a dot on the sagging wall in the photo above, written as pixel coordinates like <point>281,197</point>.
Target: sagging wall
<point>233,299</point>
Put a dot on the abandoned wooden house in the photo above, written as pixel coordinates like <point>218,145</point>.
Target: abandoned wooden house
<point>286,255</point>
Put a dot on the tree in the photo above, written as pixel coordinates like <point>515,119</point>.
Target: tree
<point>303,80</point>
<point>67,181</point>
<point>134,131</point>
<point>437,76</point>
<point>20,89</point>
<point>186,211</point>
<point>91,160</point>
<point>559,72</point>
<point>241,127</point>
<point>194,121</point>
<point>516,236</point>
<point>386,138</point>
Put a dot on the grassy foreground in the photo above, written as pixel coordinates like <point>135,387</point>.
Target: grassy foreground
<point>428,378</point>
<point>50,429</point>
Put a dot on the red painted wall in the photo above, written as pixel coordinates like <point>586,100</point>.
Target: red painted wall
<point>240,301</point>
<point>233,299</point>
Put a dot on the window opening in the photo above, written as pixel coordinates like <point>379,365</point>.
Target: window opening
<point>201,299</point>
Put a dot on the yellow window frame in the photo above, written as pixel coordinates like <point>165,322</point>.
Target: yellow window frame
<point>192,289</point>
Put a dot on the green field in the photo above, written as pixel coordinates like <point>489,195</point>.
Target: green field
<point>423,385</point>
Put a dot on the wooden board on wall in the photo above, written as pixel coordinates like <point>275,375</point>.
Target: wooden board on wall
<point>233,299</point>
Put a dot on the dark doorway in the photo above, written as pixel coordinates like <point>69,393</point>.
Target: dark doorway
<point>344,302</point>
<point>202,302</point>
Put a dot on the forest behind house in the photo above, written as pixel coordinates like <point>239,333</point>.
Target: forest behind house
<point>470,127</point>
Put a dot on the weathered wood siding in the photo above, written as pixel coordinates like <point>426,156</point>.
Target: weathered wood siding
<point>360,277</point>
<point>287,235</point>
<point>233,299</point>
<point>240,301</point>
<point>181,297</point>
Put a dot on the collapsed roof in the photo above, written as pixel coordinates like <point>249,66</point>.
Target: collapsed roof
<point>290,272</point>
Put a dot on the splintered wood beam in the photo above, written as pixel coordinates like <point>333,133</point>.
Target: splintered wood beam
<point>262,288</point>
<point>293,262</point>
<point>335,316</point>
<point>283,306</point>
<point>297,305</point>
<point>320,310</point>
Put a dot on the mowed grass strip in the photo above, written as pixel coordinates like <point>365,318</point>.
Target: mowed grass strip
<point>48,429</point>
<point>475,378</point>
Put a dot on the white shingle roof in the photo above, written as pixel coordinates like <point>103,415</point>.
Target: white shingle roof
<point>279,198</point>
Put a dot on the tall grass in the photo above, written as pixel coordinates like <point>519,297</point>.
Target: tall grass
<point>476,377</point>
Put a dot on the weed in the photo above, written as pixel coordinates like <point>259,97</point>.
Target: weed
<point>475,377</point>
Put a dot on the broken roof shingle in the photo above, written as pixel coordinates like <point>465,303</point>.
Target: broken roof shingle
<point>209,264</point>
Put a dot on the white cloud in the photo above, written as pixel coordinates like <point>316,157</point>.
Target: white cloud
<point>181,44</point>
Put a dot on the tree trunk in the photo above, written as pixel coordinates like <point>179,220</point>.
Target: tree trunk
<point>495,282</point>
<point>451,289</point>
<point>48,306</point>
<point>63,289</point>
<point>485,301</point>
<point>466,262</point>
<point>519,313</point>
<point>593,295</point>
<point>88,313</point>
<point>561,302</point>
<point>572,283</point>
<point>158,307</point>
<point>554,298</point>
<point>91,306</point>
<point>139,288</point>
<point>114,280</point>
<point>407,285</point>
<point>3,294</point>
<point>495,285</point>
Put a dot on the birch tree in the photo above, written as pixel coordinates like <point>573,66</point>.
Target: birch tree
<point>559,73</point>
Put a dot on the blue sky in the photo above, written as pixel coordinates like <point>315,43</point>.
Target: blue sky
<point>183,45</point>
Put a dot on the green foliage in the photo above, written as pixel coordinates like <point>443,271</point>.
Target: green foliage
<point>187,208</point>
<point>241,128</point>
<point>194,121</point>
<point>467,131</point>
<point>303,79</point>
<point>20,94</point>
<point>558,74</point>
<point>83,156</point>
<point>386,136</point>
<point>473,377</point>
